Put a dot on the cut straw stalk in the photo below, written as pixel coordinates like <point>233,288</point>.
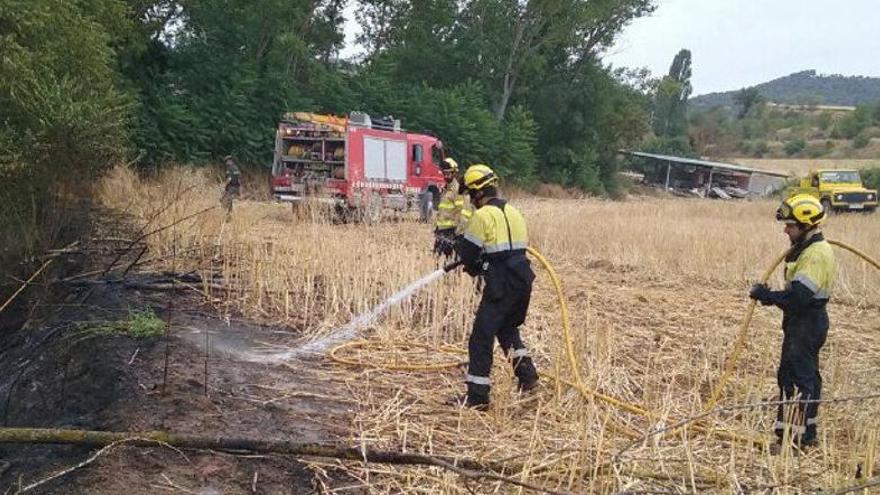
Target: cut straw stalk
<point>655,289</point>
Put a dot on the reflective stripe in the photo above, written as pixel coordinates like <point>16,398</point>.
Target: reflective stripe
<point>798,430</point>
<point>459,202</point>
<point>491,229</point>
<point>473,239</point>
<point>506,247</point>
<point>812,421</point>
<point>466,213</point>
<point>446,206</point>
<point>478,380</point>
<point>519,353</point>
<point>814,269</point>
<point>445,224</point>
<point>805,280</point>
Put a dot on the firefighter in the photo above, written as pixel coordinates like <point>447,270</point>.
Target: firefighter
<point>493,245</point>
<point>233,184</point>
<point>452,212</point>
<point>809,274</point>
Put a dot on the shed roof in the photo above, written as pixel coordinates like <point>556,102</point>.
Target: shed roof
<point>704,163</point>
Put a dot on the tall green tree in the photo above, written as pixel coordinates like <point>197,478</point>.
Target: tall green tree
<point>188,80</point>
<point>63,117</point>
<point>60,108</point>
<point>219,73</point>
<point>586,114</point>
<point>671,98</point>
<point>511,45</point>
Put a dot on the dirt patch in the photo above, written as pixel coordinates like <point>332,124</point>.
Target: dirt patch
<point>66,371</point>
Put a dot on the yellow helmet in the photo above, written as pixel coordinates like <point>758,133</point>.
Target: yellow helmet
<point>449,165</point>
<point>804,209</point>
<point>479,177</point>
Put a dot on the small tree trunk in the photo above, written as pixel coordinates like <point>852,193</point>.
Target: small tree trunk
<point>151,438</point>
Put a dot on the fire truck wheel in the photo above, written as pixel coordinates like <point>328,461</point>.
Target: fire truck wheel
<point>372,211</point>
<point>426,205</point>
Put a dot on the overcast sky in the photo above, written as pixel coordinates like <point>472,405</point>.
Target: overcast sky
<point>739,43</point>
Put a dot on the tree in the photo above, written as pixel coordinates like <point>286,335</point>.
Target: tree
<point>823,121</point>
<point>60,109</point>
<point>512,51</point>
<point>379,19</point>
<point>513,84</point>
<point>707,127</point>
<point>671,97</point>
<point>851,124</point>
<point>586,114</point>
<point>871,177</point>
<point>512,44</point>
<point>218,74</point>
<point>62,116</point>
<point>748,101</point>
<point>795,146</point>
<point>680,71</point>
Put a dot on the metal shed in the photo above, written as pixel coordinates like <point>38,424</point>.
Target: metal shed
<point>691,173</point>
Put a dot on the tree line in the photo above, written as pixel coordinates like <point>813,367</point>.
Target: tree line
<point>517,84</point>
<point>757,128</point>
<point>805,88</point>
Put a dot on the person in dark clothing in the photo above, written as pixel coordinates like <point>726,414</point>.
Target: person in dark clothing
<point>493,245</point>
<point>233,184</point>
<point>809,275</point>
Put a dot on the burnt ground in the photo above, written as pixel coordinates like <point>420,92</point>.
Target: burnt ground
<point>57,371</point>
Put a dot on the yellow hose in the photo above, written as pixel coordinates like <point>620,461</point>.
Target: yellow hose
<point>573,363</point>
<point>578,384</point>
<point>742,337</point>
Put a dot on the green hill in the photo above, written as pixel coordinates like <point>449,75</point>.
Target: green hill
<point>805,87</point>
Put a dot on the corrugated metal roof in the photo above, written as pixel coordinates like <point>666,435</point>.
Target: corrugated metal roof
<point>705,163</point>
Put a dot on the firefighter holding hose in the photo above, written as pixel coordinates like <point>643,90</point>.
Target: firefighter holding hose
<point>493,245</point>
<point>452,212</point>
<point>809,275</point>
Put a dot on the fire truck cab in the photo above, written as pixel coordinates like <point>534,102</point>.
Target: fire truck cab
<point>357,163</point>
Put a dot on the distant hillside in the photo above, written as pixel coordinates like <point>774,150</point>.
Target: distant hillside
<point>804,88</point>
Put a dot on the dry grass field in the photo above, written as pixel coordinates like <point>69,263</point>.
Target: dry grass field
<point>656,290</point>
<point>799,167</point>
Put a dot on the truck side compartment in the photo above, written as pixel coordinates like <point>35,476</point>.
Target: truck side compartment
<point>353,163</point>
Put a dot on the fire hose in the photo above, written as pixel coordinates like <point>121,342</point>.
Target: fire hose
<point>577,383</point>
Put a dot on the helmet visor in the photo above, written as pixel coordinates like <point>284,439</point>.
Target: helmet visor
<point>784,212</point>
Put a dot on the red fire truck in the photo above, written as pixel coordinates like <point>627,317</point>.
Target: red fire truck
<point>356,163</point>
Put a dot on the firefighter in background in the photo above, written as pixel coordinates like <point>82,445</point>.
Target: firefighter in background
<point>493,245</point>
<point>233,184</point>
<point>809,274</point>
<point>452,212</point>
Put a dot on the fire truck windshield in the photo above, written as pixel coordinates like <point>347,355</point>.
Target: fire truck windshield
<point>436,154</point>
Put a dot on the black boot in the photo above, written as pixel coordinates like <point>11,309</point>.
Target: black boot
<point>477,396</point>
<point>525,371</point>
<point>525,387</point>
